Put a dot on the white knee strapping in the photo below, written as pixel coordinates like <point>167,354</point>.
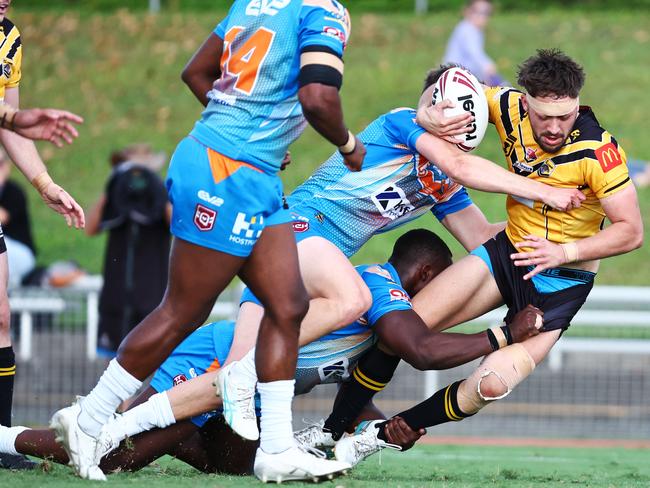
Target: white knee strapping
<point>498,374</point>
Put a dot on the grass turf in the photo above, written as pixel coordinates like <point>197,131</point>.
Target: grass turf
<point>423,466</point>
<point>121,72</point>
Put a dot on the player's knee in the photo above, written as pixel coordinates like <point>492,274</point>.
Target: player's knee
<point>492,386</point>
<point>354,303</point>
<point>290,311</point>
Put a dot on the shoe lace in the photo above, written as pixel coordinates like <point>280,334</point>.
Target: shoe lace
<point>312,434</point>
<point>246,402</point>
<point>368,444</point>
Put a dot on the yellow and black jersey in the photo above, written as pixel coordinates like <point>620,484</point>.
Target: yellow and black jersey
<point>590,160</point>
<point>11,54</point>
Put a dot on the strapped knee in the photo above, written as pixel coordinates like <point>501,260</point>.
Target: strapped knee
<point>498,374</point>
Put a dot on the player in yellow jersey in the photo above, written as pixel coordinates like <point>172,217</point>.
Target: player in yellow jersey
<point>544,257</point>
<point>15,125</point>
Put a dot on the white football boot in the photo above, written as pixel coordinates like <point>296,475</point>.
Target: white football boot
<point>238,403</point>
<point>106,443</point>
<point>82,448</point>
<point>363,443</point>
<point>295,464</point>
<point>314,436</point>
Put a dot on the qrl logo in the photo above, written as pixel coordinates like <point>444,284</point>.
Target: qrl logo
<point>204,218</point>
<point>608,156</point>
<point>400,295</point>
<point>178,379</point>
<point>299,226</point>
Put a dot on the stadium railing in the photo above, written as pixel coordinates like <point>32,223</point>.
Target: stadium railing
<point>595,384</point>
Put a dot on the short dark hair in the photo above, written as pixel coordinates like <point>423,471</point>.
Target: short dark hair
<point>551,72</point>
<point>420,246</point>
<point>434,74</point>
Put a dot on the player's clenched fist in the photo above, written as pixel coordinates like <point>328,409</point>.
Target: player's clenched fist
<point>526,323</point>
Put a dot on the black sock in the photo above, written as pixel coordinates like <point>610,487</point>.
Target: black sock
<point>372,374</point>
<point>7,374</point>
<point>440,408</point>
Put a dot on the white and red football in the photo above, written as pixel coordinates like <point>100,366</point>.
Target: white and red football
<point>465,91</point>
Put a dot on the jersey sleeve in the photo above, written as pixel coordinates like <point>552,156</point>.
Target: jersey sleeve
<point>401,127</point>
<point>16,68</point>
<point>503,106</point>
<point>13,60</point>
<point>220,29</point>
<point>387,296</point>
<point>608,174</point>
<point>458,201</point>
<point>324,24</point>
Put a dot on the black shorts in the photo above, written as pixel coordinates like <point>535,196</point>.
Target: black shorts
<point>558,292</point>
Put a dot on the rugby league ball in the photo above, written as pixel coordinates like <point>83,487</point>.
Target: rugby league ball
<point>461,87</point>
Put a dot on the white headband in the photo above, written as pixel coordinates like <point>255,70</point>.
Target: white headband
<point>554,108</point>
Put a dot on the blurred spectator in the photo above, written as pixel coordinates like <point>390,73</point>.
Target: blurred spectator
<point>16,225</point>
<point>135,211</point>
<point>466,46</point>
<point>639,172</point>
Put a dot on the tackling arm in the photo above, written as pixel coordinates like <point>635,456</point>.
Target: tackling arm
<point>470,227</point>
<point>482,174</point>
<point>407,336</point>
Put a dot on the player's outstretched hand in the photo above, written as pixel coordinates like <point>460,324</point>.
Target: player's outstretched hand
<point>61,202</point>
<point>354,160</point>
<point>526,323</point>
<point>432,118</point>
<point>544,255</point>
<point>564,198</point>
<point>399,433</point>
<point>47,124</point>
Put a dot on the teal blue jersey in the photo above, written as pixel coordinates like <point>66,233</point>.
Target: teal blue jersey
<point>254,114</point>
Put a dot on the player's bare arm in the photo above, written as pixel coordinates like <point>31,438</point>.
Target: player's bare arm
<point>24,154</point>
<point>481,174</point>
<point>41,124</point>
<point>408,337</point>
<point>321,76</point>
<point>201,70</point>
<point>470,227</point>
<point>623,235</point>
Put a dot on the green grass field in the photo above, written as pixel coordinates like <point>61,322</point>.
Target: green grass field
<point>121,71</point>
<point>423,466</point>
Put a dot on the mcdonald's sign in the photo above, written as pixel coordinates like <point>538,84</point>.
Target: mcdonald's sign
<point>608,156</point>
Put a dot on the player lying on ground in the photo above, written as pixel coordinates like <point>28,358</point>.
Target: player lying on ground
<point>418,256</point>
<point>544,257</point>
<point>406,173</point>
<point>265,71</point>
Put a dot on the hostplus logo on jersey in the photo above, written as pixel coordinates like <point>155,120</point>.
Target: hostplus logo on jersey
<point>246,231</point>
<point>265,7</point>
<point>392,202</point>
